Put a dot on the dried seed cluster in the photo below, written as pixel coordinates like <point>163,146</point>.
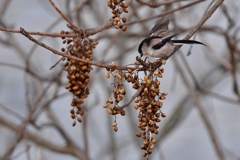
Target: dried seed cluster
<point>118,93</point>
<point>149,104</point>
<point>78,72</point>
<point>148,101</point>
<point>118,7</point>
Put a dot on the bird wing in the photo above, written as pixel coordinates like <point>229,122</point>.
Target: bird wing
<point>163,42</point>
<point>161,26</point>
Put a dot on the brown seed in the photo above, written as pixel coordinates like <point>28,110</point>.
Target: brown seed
<point>115,129</point>
<point>74,102</point>
<point>149,81</point>
<point>68,85</point>
<point>162,97</point>
<point>80,100</point>
<point>112,108</point>
<point>144,137</point>
<point>105,105</point>
<point>160,75</point>
<point>73,77</point>
<point>113,64</point>
<point>114,12</point>
<point>107,75</point>
<point>62,49</point>
<point>149,111</point>
<point>151,129</point>
<point>110,100</point>
<point>115,2</point>
<point>156,72</point>
<point>142,104</point>
<point>152,88</point>
<point>153,94</point>
<point>135,86</point>
<point>136,106</point>
<point>73,116</point>
<point>72,111</point>
<point>144,82</point>
<point>122,91</point>
<point>117,19</point>
<point>138,134</point>
<point>165,93</point>
<point>69,41</point>
<point>163,61</point>
<point>74,123</point>
<point>84,68</point>
<point>115,22</point>
<point>123,113</point>
<point>110,111</point>
<point>145,143</point>
<point>81,112</point>
<point>163,115</point>
<point>153,140</point>
<point>145,154</point>
<point>160,104</point>
<point>161,69</point>
<point>157,83</point>
<point>79,119</point>
<point>87,81</point>
<point>125,5</point>
<point>120,84</point>
<point>124,28</point>
<point>124,19</point>
<point>87,48</point>
<point>144,124</point>
<point>75,88</point>
<point>90,52</point>
<point>114,124</point>
<point>73,68</point>
<point>151,123</point>
<point>119,76</point>
<point>119,98</point>
<point>145,78</point>
<point>144,119</point>
<point>143,128</point>
<point>149,106</point>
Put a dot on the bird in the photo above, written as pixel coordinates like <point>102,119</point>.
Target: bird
<point>158,45</point>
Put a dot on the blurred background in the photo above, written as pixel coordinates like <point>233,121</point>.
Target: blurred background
<point>203,102</point>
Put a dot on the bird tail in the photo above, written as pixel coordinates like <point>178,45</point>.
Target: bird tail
<point>187,42</point>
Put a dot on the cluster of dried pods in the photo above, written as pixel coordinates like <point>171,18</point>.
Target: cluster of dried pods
<point>118,7</point>
<point>78,72</point>
<point>148,102</point>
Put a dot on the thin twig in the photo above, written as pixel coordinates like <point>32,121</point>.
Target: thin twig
<point>87,32</point>
<point>72,57</point>
<point>56,63</point>
<point>155,4</point>
<point>165,13</point>
<point>64,17</point>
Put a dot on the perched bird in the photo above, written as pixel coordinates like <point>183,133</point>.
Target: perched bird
<point>159,45</point>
